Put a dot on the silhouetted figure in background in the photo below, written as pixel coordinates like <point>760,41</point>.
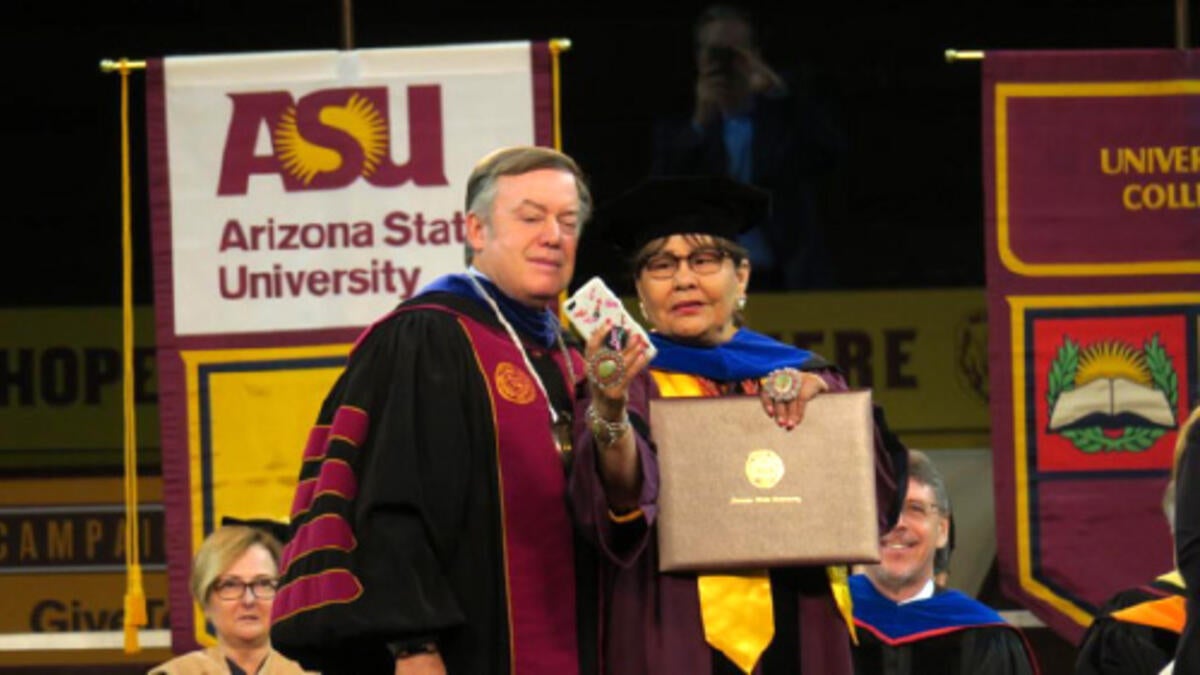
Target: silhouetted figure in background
<point>749,123</point>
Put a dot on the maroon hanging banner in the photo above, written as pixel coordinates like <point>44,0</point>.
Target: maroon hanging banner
<point>1092,178</point>
<point>295,198</point>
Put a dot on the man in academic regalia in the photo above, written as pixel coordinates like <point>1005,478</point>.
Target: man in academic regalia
<point>1137,630</point>
<point>908,626</point>
<point>429,531</point>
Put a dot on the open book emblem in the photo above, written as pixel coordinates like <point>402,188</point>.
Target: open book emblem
<point>1109,396</point>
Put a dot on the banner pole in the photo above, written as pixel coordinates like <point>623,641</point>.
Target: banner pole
<point>135,596</point>
<point>557,46</point>
<point>1183,38</point>
<point>347,25</point>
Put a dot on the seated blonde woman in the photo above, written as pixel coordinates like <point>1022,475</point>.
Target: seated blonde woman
<point>234,577</point>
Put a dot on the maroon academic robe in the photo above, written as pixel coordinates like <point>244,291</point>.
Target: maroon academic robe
<point>430,507</point>
<point>652,622</point>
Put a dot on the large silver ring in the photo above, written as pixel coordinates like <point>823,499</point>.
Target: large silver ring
<point>783,384</point>
<point>605,368</point>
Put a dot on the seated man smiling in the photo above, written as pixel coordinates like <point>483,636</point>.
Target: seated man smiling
<point>908,625</point>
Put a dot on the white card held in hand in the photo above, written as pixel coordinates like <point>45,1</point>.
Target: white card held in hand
<point>594,305</point>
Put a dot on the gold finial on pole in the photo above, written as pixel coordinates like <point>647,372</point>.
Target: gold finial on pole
<point>955,55</point>
<point>122,64</point>
<point>558,45</point>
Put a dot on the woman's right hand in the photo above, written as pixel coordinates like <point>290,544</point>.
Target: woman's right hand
<point>617,456</point>
<point>610,398</point>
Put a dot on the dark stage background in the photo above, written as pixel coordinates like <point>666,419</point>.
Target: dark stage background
<point>907,210</point>
<point>908,207</point>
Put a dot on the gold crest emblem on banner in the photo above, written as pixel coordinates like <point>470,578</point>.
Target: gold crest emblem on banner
<point>514,384</point>
<point>764,469</point>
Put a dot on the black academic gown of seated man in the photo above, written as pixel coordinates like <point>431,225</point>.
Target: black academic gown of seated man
<point>949,633</point>
<point>1136,632</point>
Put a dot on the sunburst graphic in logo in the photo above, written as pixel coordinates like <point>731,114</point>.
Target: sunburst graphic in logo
<point>1110,396</point>
<point>359,118</point>
<point>1112,359</point>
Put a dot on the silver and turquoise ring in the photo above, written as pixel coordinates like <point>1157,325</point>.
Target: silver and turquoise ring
<point>783,384</point>
<point>606,368</point>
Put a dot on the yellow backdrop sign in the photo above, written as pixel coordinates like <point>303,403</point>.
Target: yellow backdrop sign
<point>922,353</point>
<point>60,388</point>
<point>62,570</point>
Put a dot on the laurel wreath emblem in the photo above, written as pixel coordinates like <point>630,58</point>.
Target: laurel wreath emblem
<point>1133,438</point>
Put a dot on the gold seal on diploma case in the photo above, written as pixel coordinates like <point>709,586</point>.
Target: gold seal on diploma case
<point>764,469</point>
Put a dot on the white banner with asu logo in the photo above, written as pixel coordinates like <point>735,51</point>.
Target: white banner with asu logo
<point>313,190</point>
<point>296,198</point>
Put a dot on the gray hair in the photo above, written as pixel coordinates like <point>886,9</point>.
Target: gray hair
<point>1168,504</point>
<point>515,161</point>
<point>922,470</point>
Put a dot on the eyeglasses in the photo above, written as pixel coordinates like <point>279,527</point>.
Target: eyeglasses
<point>701,261</point>
<point>235,589</point>
<point>919,510</point>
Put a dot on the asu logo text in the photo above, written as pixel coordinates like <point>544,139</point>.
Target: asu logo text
<point>330,138</point>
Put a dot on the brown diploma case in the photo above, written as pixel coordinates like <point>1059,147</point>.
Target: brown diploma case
<point>737,491</point>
